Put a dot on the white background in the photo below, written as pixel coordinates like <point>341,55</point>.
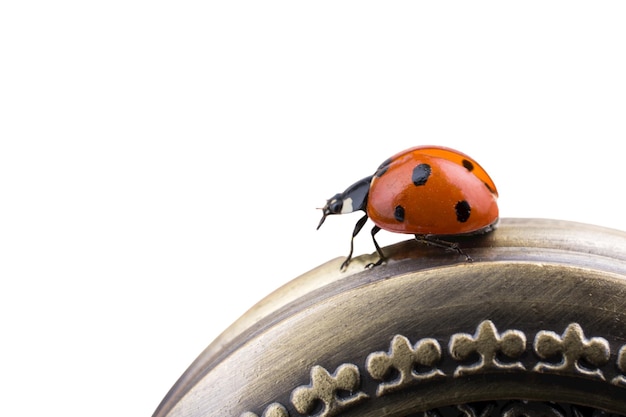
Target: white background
<point>161,162</point>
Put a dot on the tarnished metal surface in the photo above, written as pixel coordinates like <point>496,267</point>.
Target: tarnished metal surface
<point>539,315</point>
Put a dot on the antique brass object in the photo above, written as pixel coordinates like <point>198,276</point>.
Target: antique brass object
<point>535,325</point>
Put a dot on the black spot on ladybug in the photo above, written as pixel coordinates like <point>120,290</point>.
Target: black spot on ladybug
<point>399,213</point>
<point>468,165</point>
<point>383,168</point>
<point>463,210</point>
<point>489,188</point>
<point>421,173</point>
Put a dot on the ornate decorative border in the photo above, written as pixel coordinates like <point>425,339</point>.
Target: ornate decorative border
<point>406,363</point>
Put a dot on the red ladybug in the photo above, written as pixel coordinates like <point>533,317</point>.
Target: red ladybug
<point>432,192</point>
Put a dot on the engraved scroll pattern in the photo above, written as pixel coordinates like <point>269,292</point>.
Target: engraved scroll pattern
<point>407,363</point>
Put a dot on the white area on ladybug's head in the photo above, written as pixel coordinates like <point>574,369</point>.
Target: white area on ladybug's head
<point>347,206</point>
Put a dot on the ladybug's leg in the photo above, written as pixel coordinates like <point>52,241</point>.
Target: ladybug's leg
<point>357,228</point>
<point>433,241</point>
<point>381,256</point>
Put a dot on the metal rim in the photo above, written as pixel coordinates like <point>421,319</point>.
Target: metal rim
<point>537,316</point>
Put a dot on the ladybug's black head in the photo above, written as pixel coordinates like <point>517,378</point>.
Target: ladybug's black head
<point>333,205</point>
<point>353,199</point>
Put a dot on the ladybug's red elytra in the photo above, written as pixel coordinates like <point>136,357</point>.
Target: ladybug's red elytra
<point>432,192</point>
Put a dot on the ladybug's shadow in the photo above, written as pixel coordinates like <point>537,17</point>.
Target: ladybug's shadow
<point>440,250</point>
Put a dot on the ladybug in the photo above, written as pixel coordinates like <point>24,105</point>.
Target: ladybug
<point>435,193</point>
